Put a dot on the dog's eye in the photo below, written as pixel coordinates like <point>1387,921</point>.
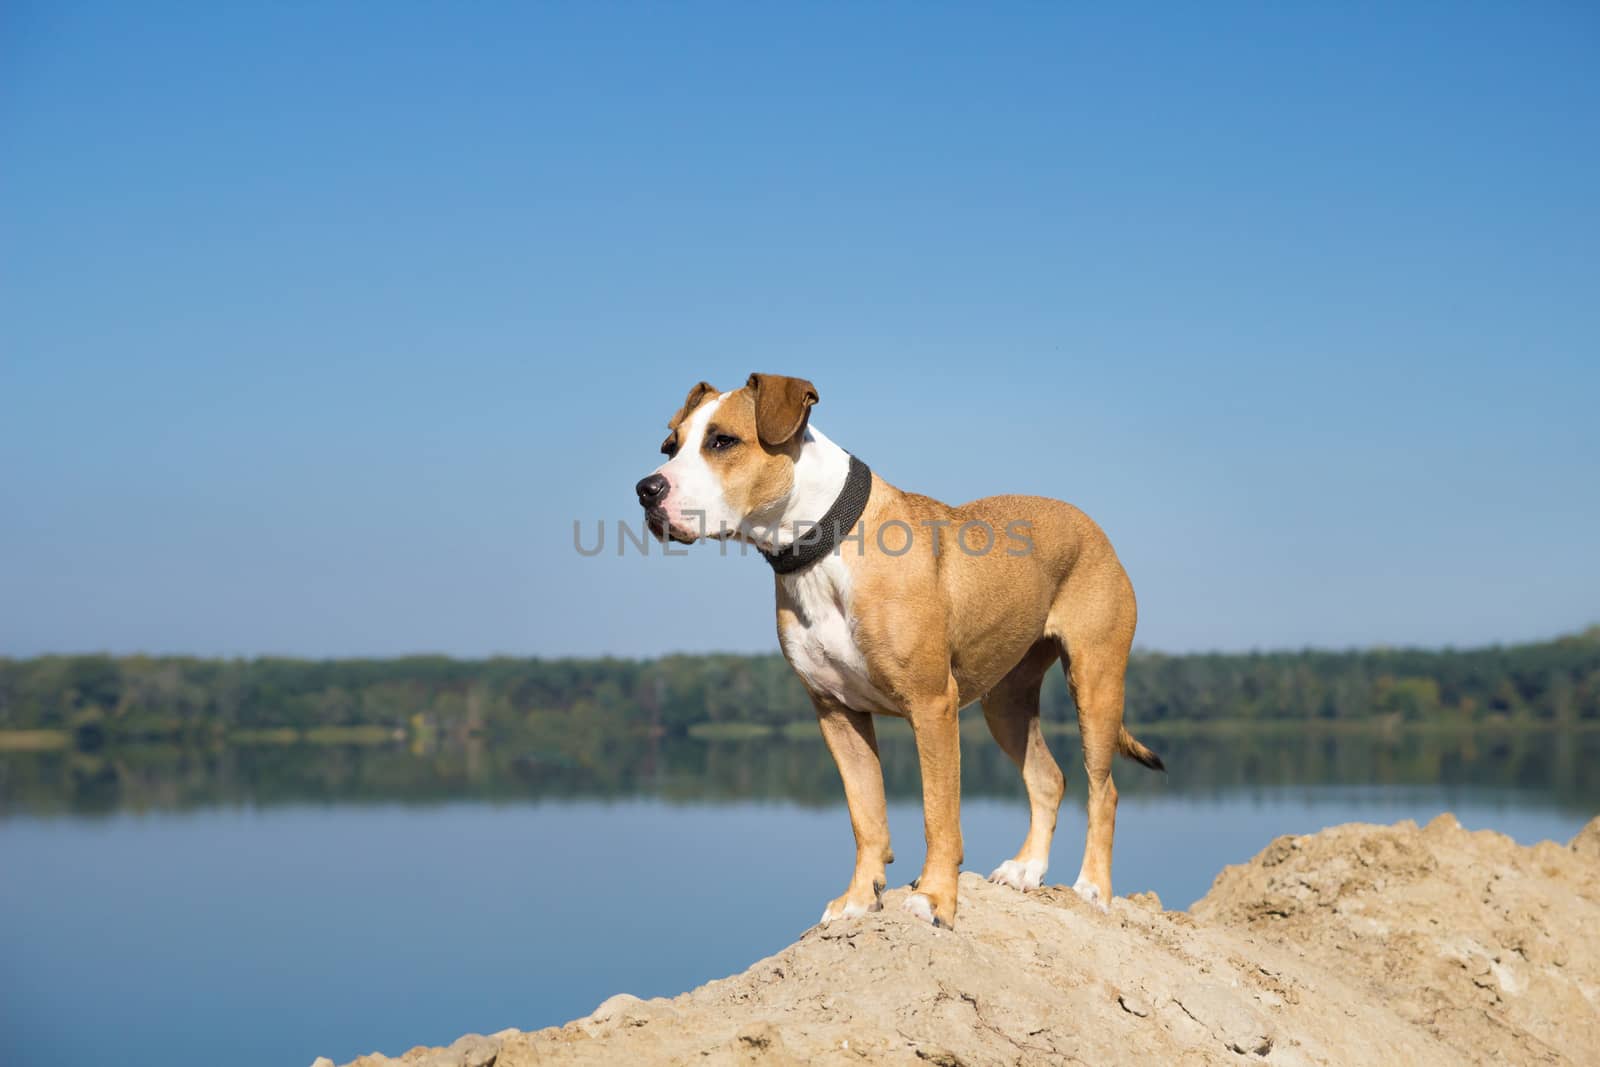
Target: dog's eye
<point>720,441</point>
<point>669,447</point>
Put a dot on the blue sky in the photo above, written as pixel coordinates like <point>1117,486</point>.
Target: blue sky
<point>320,324</point>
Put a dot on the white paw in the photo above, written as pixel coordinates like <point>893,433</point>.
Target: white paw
<point>848,911</point>
<point>1090,892</point>
<point>1017,875</point>
<point>920,906</point>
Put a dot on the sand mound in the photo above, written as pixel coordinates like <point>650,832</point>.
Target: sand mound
<point>1359,944</point>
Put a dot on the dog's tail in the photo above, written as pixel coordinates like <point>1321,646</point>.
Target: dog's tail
<point>1127,746</point>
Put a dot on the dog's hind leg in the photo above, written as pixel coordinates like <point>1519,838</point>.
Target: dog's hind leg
<point>1012,711</point>
<point>1094,623</point>
<point>1095,666</point>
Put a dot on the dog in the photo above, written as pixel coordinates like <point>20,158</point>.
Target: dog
<point>891,603</point>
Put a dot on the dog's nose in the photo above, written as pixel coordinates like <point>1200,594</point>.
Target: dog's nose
<point>652,490</point>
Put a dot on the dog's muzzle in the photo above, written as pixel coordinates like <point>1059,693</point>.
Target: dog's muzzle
<point>652,493</point>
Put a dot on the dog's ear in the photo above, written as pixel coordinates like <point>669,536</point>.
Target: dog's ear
<point>692,401</point>
<point>782,406</point>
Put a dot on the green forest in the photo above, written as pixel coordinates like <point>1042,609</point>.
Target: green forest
<point>95,699</point>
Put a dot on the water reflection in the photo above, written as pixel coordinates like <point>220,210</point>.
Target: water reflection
<point>1554,768</point>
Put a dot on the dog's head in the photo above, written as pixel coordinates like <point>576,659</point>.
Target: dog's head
<point>730,458</point>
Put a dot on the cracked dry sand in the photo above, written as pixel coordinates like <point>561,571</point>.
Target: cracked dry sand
<point>1357,945</point>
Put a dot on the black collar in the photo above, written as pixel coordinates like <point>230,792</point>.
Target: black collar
<point>832,528</point>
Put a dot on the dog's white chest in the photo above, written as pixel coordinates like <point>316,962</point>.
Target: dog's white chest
<point>820,641</point>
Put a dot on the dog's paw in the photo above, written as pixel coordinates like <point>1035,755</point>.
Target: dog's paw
<point>848,909</point>
<point>1090,892</point>
<point>921,906</point>
<point>1019,875</point>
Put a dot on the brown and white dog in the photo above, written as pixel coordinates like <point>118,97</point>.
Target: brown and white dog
<point>912,611</point>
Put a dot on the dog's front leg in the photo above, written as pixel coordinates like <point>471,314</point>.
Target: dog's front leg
<point>853,741</point>
<point>938,733</point>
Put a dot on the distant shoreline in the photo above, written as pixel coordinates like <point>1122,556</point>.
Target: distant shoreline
<point>53,740</point>
<point>92,702</point>
<point>972,728</point>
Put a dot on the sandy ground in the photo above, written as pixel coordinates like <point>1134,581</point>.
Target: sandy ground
<point>1360,944</point>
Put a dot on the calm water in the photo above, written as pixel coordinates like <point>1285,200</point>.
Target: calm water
<point>267,905</point>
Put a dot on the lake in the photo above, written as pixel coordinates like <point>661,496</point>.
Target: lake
<point>263,905</point>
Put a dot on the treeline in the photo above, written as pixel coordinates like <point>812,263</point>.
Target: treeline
<point>590,700</point>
